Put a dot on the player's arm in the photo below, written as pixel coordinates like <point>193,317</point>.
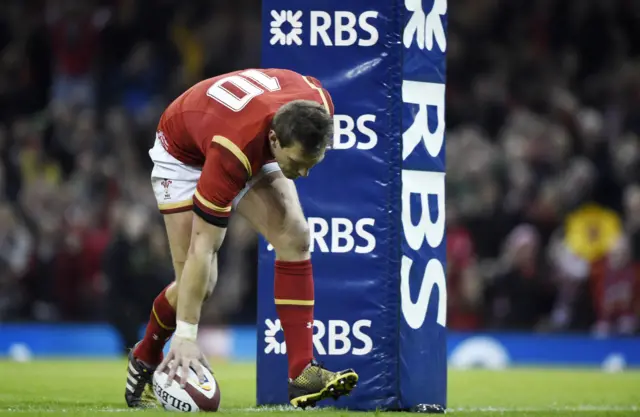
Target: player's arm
<point>206,239</point>
<point>222,178</point>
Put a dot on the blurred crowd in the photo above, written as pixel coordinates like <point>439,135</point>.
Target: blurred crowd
<point>82,87</point>
<point>543,153</point>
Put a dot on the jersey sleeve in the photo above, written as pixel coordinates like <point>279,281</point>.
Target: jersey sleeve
<point>224,175</point>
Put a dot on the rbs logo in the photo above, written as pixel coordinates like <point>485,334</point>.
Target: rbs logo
<point>424,232</point>
<point>427,234</point>
<point>340,235</point>
<point>349,133</point>
<point>348,29</point>
<point>337,337</point>
<point>338,28</point>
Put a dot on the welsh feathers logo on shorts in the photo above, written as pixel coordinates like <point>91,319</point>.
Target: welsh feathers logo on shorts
<point>166,183</point>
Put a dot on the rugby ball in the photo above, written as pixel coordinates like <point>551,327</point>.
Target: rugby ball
<point>195,396</point>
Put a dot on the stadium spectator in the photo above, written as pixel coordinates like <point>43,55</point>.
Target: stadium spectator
<point>521,295</point>
<point>75,43</point>
<point>464,286</point>
<point>15,248</point>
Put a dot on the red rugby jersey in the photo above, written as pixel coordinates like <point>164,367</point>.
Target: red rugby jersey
<point>221,124</point>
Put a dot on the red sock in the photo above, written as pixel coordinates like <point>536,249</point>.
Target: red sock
<point>162,324</point>
<point>294,305</point>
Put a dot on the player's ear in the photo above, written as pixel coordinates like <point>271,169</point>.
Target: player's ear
<point>272,136</point>
<point>274,142</point>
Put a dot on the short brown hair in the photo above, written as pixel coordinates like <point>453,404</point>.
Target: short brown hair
<point>305,122</point>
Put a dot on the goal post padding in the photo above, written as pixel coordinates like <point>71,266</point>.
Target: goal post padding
<point>375,205</point>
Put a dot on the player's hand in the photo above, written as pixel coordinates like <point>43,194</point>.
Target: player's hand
<point>183,354</point>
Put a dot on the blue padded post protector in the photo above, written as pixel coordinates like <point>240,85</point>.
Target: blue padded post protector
<point>375,205</point>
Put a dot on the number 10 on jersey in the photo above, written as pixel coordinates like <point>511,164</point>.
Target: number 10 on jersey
<point>251,82</point>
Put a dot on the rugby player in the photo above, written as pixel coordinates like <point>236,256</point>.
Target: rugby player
<point>235,143</point>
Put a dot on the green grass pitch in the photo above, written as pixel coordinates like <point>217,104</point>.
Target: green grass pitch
<point>90,388</point>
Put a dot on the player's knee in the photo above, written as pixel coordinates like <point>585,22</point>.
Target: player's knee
<point>294,242</point>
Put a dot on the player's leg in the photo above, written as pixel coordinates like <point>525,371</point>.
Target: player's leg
<point>147,354</point>
<point>174,196</point>
<point>162,320</point>
<point>271,204</point>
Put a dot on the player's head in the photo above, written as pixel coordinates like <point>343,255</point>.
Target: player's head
<point>301,132</point>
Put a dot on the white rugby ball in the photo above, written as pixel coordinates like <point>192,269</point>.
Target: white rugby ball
<point>195,396</point>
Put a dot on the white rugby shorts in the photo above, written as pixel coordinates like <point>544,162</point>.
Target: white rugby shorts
<point>174,182</point>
